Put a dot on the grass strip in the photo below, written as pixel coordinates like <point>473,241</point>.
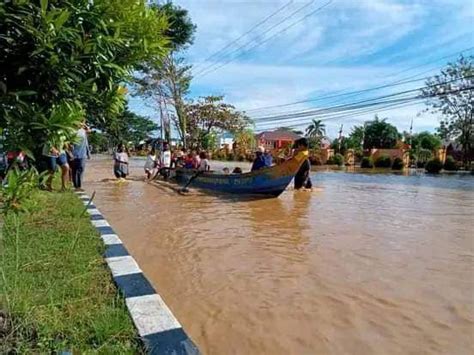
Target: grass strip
<point>56,293</point>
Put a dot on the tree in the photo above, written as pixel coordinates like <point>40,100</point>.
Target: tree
<point>245,140</point>
<point>356,138</point>
<point>63,60</point>
<point>98,141</point>
<point>316,131</point>
<point>209,115</point>
<point>132,128</point>
<point>167,81</point>
<point>181,29</point>
<point>451,93</point>
<point>425,140</point>
<point>380,134</point>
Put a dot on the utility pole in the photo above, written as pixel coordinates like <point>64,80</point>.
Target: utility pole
<point>411,129</point>
<point>340,138</point>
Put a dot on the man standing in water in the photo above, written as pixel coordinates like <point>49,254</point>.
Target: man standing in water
<point>166,161</point>
<point>302,178</point>
<point>80,152</point>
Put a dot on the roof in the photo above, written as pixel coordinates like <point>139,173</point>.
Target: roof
<point>282,135</point>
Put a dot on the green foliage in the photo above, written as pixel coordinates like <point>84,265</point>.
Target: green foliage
<point>98,141</point>
<point>55,286</point>
<point>425,140</point>
<point>181,28</point>
<point>450,93</point>
<point>167,82</point>
<point>315,132</point>
<point>210,114</point>
<point>355,139</point>
<point>383,161</point>
<point>245,139</point>
<point>397,164</point>
<point>18,189</point>
<point>131,128</point>
<point>336,159</point>
<point>209,141</point>
<point>366,163</point>
<point>63,59</point>
<point>423,155</point>
<point>380,134</point>
<point>450,164</point>
<point>434,166</point>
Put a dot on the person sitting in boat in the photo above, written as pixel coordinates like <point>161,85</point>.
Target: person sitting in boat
<point>237,170</point>
<point>189,161</point>
<point>267,156</point>
<point>302,178</point>
<point>179,158</point>
<point>226,171</point>
<point>259,161</point>
<point>204,163</point>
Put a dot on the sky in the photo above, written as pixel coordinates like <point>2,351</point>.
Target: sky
<point>313,49</point>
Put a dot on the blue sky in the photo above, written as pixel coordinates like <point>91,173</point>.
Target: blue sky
<point>346,46</point>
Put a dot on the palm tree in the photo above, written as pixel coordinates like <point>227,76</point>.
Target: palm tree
<point>316,130</point>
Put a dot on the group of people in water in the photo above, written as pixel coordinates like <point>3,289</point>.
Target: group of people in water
<point>163,163</point>
<point>71,159</point>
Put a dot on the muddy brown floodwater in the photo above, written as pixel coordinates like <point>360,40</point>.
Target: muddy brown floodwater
<point>366,264</point>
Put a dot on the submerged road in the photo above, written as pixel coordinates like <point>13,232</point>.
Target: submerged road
<point>365,264</point>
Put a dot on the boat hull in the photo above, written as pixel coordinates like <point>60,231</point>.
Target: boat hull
<point>270,182</point>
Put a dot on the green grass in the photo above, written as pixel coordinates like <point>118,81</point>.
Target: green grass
<point>56,293</point>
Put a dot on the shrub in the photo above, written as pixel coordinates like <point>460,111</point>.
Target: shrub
<point>366,163</point>
<point>315,160</point>
<point>338,159</point>
<point>18,188</point>
<point>420,164</point>
<point>434,166</point>
<point>450,164</point>
<point>397,164</point>
<point>383,161</point>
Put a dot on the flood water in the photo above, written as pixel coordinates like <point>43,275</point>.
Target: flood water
<point>365,264</point>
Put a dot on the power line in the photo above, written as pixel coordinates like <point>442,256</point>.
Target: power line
<point>385,99</point>
<point>364,90</point>
<point>203,72</point>
<point>248,32</point>
<point>395,104</point>
<point>351,93</point>
<point>269,38</point>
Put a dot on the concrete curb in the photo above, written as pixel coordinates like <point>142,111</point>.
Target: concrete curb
<point>158,328</point>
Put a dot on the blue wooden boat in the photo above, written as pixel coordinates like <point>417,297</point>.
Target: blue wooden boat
<point>268,181</point>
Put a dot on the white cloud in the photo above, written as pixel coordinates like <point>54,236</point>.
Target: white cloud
<point>350,45</point>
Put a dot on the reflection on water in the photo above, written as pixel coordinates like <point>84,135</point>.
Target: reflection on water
<point>366,264</point>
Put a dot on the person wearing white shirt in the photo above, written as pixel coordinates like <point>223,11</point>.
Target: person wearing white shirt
<point>166,161</point>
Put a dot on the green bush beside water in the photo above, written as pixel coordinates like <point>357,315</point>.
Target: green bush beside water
<point>55,291</point>
<point>383,161</point>
<point>336,159</point>
<point>434,166</point>
<point>366,163</point>
<point>397,164</point>
<point>450,164</point>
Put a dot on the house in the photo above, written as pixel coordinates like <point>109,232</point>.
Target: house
<point>276,139</point>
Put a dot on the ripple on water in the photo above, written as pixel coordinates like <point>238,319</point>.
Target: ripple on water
<point>366,264</point>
